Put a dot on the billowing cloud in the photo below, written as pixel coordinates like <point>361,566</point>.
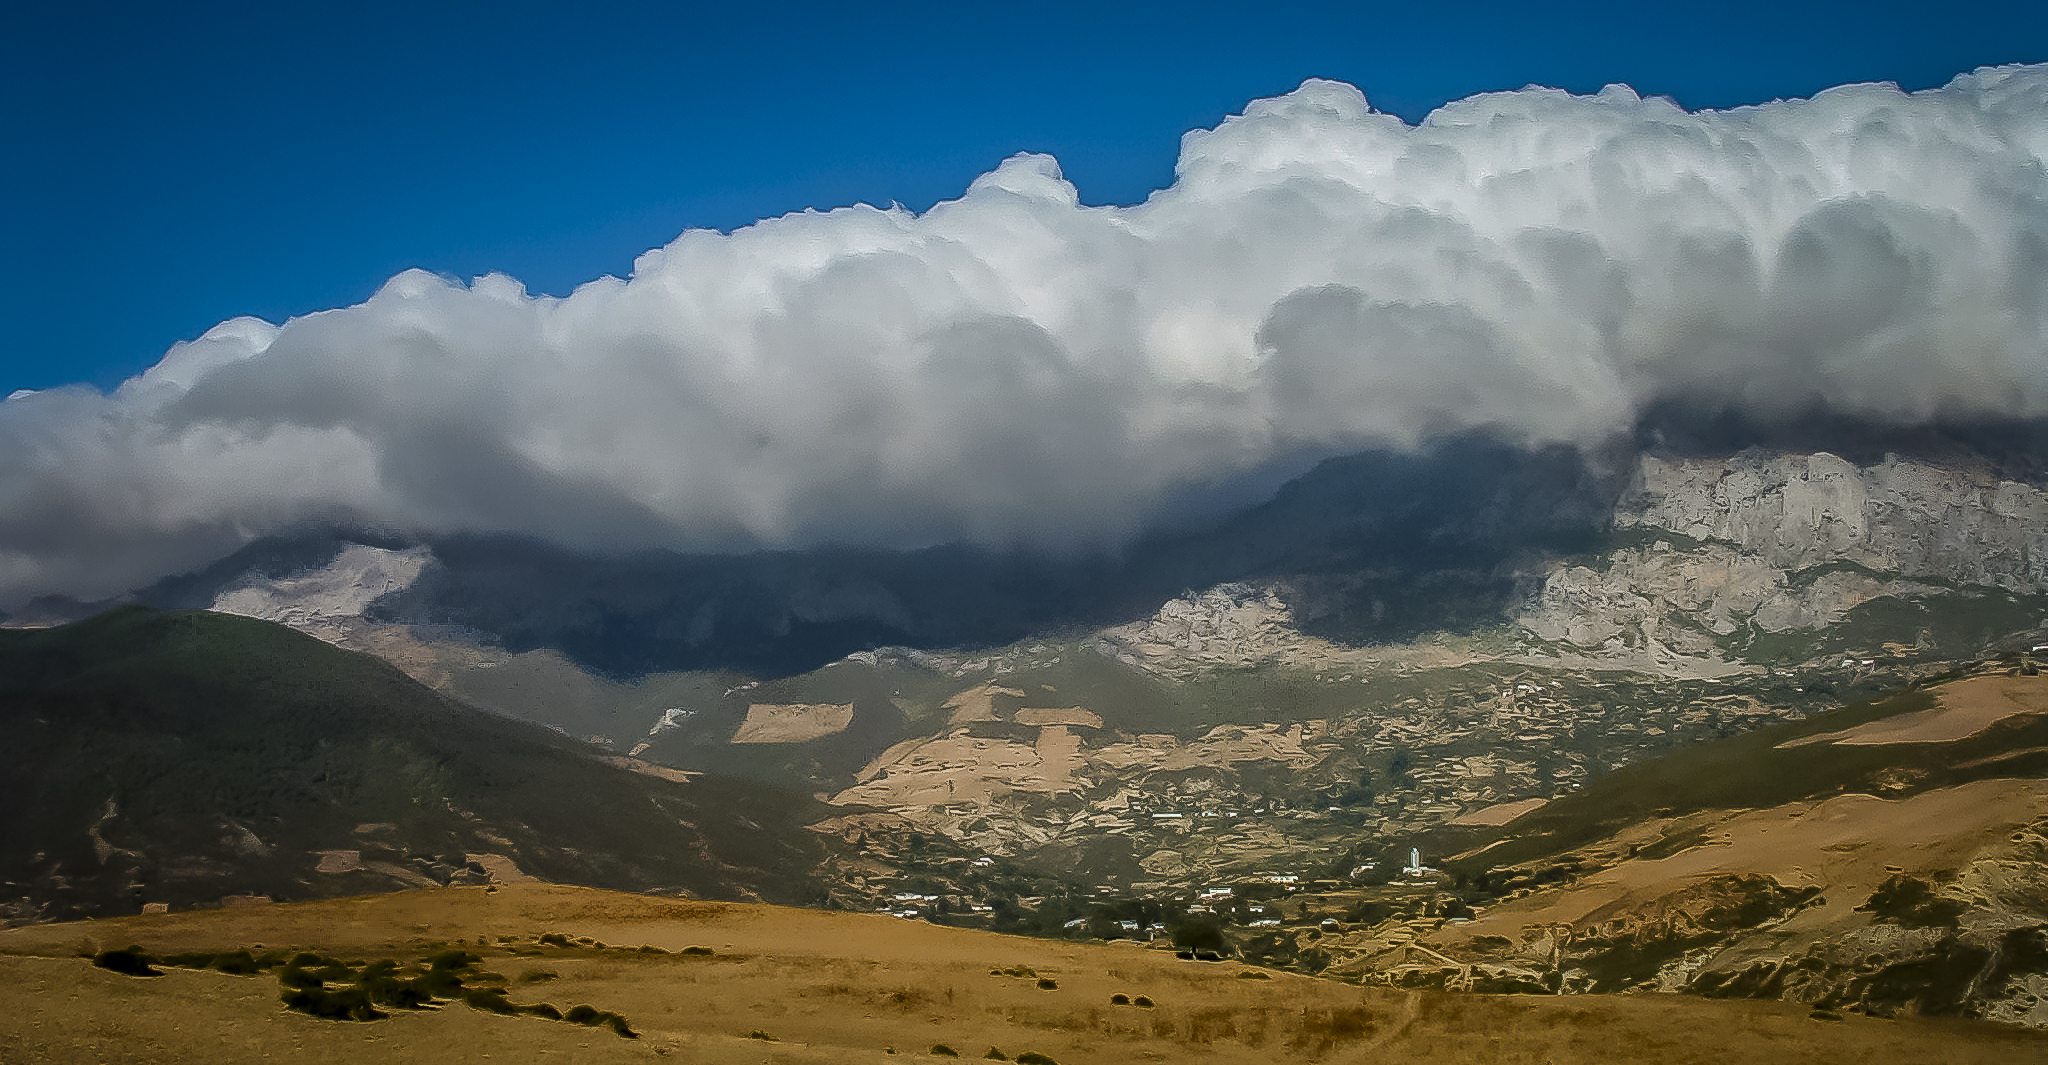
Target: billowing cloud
<point>1015,368</point>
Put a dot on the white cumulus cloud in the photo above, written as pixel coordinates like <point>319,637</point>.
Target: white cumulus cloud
<point>1016,369</point>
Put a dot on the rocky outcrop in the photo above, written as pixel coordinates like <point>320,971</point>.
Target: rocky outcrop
<point>328,602</point>
<point>1784,543</point>
<point>1796,512</point>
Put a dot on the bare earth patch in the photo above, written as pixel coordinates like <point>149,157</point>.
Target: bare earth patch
<point>1072,715</point>
<point>978,704</point>
<point>1966,708</point>
<point>339,861</point>
<point>1500,813</point>
<point>793,722</point>
<point>1846,845</point>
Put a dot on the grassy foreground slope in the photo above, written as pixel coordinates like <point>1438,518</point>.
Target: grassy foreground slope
<point>179,757</point>
<point>767,984</point>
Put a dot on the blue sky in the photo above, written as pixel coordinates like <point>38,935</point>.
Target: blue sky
<point>172,166</point>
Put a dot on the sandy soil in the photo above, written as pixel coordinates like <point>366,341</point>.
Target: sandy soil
<point>1500,813</point>
<point>1847,845</point>
<point>1071,715</point>
<point>1966,708</point>
<point>844,988</point>
<point>651,769</point>
<point>793,723</point>
<point>978,704</point>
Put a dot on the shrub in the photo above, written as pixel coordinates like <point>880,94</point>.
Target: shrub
<point>1119,999</point>
<point>536,976</point>
<point>555,939</point>
<point>762,1036</point>
<point>453,959</point>
<point>129,962</point>
<point>996,1055</point>
<point>1142,1002</point>
<point>489,1000</point>
<point>1905,900</point>
<point>1033,1057</point>
<point>385,987</point>
<point>696,952</point>
<point>1253,974</point>
<point>944,1051</point>
<point>1048,984</point>
<point>237,963</point>
<point>597,1018</point>
<point>344,1004</point>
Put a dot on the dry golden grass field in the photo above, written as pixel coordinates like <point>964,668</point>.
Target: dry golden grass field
<point>841,989</point>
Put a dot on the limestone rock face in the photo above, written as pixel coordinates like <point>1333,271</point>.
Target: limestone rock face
<point>324,601</point>
<point>1783,543</point>
<point>1795,512</point>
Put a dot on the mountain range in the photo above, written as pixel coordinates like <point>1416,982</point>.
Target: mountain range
<point>1472,718</point>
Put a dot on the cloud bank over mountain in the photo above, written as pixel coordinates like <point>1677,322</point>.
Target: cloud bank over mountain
<point>1014,368</point>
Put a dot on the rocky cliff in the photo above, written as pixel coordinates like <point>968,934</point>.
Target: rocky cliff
<point>1711,553</point>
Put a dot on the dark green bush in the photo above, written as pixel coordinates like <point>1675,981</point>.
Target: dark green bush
<point>597,1018</point>
<point>237,963</point>
<point>1048,984</point>
<point>489,1000</point>
<point>1142,1002</point>
<point>944,1051</point>
<point>996,1055</point>
<point>1033,1057</point>
<point>129,962</point>
<point>387,989</point>
<point>344,1004</point>
<point>697,952</point>
<point>1119,999</point>
<point>294,977</point>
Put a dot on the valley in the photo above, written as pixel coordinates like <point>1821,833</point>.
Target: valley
<point>1680,761</point>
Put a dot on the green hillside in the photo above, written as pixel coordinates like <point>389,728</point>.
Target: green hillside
<point>182,756</point>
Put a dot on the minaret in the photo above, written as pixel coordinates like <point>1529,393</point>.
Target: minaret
<point>1415,859</point>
